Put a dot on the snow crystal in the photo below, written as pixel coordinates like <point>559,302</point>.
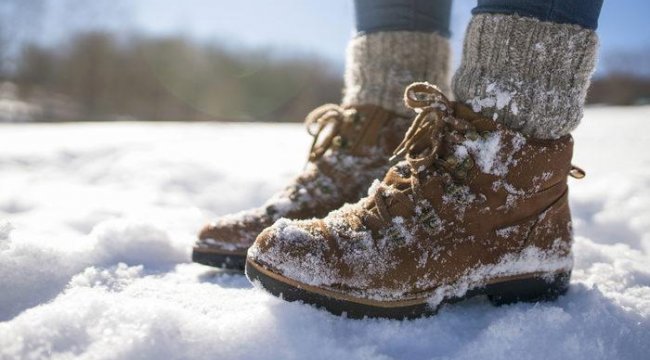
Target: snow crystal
<point>487,152</point>
<point>514,108</point>
<point>461,152</point>
<point>503,97</point>
<point>219,244</point>
<point>400,227</point>
<point>311,268</point>
<point>134,243</point>
<point>508,231</point>
<point>242,217</point>
<point>5,230</point>
<point>479,104</point>
<point>496,97</point>
<point>372,190</point>
<point>288,231</point>
<point>114,279</point>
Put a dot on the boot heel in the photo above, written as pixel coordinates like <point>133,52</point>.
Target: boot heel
<point>528,290</point>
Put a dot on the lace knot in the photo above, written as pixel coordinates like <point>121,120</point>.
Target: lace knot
<point>433,109</point>
<point>320,118</point>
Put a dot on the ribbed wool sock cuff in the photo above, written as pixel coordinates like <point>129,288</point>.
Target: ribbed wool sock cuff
<point>380,65</point>
<point>530,75</point>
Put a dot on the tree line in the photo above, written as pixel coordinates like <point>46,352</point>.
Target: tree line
<point>102,76</point>
<point>106,76</point>
<point>625,79</point>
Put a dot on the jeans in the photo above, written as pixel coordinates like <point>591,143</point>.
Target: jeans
<point>580,12</point>
<point>433,15</point>
<point>403,15</point>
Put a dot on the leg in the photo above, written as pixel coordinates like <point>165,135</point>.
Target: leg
<point>528,63</point>
<point>398,42</point>
<point>584,13</point>
<point>399,15</point>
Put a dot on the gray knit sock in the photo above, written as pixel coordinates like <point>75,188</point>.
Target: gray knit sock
<point>530,75</point>
<point>380,65</point>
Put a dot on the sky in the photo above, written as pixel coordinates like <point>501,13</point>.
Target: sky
<point>324,27</point>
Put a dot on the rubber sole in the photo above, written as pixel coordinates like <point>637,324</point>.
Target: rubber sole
<point>230,261</point>
<point>531,289</point>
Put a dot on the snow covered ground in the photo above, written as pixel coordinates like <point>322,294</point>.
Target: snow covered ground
<point>97,220</point>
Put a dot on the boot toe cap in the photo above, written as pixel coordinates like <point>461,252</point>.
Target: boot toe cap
<point>229,234</point>
<point>294,249</point>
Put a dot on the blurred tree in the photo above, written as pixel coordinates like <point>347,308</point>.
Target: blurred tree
<point>3,55</point>
<point>634,62</point>
<point>173,78</point>
<point>35,68</point>
<point>86,72</point>
<point>626,79</point>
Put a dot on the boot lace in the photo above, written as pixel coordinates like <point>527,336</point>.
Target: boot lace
<point>422,144</point>
<point>328,115</point>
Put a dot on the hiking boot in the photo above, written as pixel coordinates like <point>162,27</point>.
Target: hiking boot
<point>471,208</point>
<point>351,148</point>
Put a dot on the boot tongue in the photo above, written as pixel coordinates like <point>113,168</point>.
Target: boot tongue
<point>352,129</point>
<point>479,122</point>
<point>365,130</point>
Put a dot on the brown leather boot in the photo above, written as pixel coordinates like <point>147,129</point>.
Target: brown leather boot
<point>351,148</point>
<point>472,208</point>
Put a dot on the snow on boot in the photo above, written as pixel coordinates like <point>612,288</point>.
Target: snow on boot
<point>351,148</point>
<point>472,208</point>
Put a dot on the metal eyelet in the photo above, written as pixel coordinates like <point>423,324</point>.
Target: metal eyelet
<point>452,161</point>
<point>353,116</point>
<point>339,142</point>
<point>463,168</point>
<point>453,189</point>
<point>447,179</point>
<point>395,236</point>
<point>472,135</point>
<point>429,218</point>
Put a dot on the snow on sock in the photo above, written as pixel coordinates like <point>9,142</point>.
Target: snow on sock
<point>527,74</point>
<point>380,65</point>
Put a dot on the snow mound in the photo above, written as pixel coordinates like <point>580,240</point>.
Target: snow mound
<point>120,241</point>
<point>97,221</point>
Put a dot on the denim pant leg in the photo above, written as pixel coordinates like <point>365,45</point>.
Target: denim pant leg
<point>403,15</point>
<point>580,12</point>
